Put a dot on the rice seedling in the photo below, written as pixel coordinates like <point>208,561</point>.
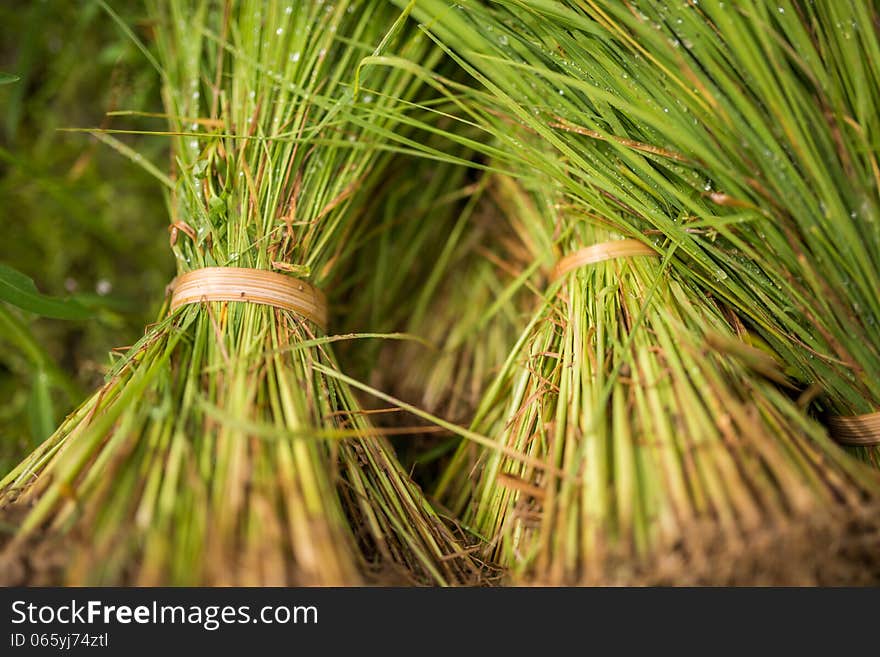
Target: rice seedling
<point>642,441</point>
<point>223,449</point>
<point>742,133</point>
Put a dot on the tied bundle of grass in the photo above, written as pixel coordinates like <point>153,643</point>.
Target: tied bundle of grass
<point>640,442</point>
<point>744,132</point>
<point>223,448</point>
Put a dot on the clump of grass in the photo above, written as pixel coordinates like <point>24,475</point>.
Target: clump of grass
<point>744,133</point>
<point>223,448</point>
<point>641,442</point>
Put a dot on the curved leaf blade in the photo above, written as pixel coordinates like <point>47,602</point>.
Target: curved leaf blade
<point>19,290</point>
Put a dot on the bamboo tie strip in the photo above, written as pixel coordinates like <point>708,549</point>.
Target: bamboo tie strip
<point>259,286</point>
<point>591,255</point>
<point>857,430</point>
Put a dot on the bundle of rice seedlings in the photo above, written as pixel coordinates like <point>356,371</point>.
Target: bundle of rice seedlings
<point>743,132</point>
<point>223,448</point>
<point>641,441</point>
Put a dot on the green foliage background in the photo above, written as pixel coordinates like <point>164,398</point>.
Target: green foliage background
<point>77,217</point>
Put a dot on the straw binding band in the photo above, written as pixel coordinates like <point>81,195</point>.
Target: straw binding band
<point>863,430</point>
<point>251,286</point>
<point>599,253</point>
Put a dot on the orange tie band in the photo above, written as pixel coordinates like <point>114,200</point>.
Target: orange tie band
<point>861,430</point>
<point>599,253</point>
<point>268,288</point>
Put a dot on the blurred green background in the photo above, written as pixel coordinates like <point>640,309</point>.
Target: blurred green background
<point>77,217</point>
